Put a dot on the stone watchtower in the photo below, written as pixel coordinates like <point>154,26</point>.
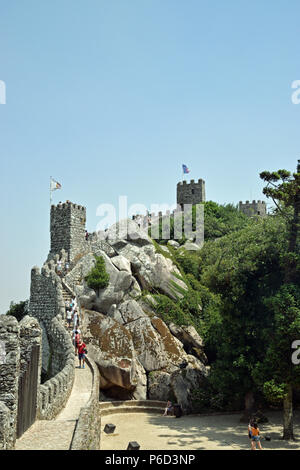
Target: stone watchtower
<point>67,228</point>
<point>253,209</point>
<point>190,193</point>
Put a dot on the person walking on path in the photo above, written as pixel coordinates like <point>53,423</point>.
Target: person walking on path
<point>254,432</point>
<point>67,267</point>
<point>69,318</point>
<point>59,267</point>
<point>76,339</point>
<point>75,318</point>
<point>81,353</point>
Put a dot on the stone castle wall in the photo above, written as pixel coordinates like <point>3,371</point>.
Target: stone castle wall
<point>47,305</point>
<point>19,339</point>
<point>88,429</point>
<point>9,380</point>
<point>54,393</point>
<point>191,193</point>
<point>67,227</point>
<point>254,208</point>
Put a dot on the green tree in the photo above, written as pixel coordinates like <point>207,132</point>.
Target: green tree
<point>219,220</point>
<point>98,278</point>
<point>18,310</point>
<point>242,268</point>
<point>277,375</point>
<point>284,189</point>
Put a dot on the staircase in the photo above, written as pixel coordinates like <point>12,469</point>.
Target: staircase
<point>132,406</point>
<point>66,295</point>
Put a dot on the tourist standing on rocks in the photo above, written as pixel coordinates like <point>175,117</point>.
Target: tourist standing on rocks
<point>81,353</point>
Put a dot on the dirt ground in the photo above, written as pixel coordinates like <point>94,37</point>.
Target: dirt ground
<point>155,432</point>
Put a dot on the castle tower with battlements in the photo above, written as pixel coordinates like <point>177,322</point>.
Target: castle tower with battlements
<point>190,193</point>
<point>67,228</point>
<point>254,208</point>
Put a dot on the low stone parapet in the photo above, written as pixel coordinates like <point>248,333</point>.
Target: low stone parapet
<point>55,392</point>
<point>5,419</point>
<point>88,428</point>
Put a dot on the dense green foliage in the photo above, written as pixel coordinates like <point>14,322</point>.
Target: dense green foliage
<point>98,278</point>
<point>241,306</point>
<point>219,220</point>
<point>17,310</point>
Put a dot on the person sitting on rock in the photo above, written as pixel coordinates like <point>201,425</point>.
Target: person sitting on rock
<point>168,409</point>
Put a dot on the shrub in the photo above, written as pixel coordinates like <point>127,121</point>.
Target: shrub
<point>98,278</point>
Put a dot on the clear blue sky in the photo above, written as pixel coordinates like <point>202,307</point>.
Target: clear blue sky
<point>111,97</point>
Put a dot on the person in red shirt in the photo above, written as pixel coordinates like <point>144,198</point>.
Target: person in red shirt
<point>81,348</point>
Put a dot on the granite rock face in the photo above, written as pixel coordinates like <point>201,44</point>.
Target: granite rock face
<point>135,266</point>
<point>139,358</point>
<point>138,355</point>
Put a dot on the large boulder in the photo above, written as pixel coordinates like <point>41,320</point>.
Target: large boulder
<point>120,283</point>
<point>140,381</point>
<point>184,382</point>
<point>151,269</point>
<point>179,384</point>
<point>135,266</point>
<point>191,340</point>
<point>125,231</point>
<point>155,346</point>
<point>154,271</point>
<point>111,347</point>
<point>159,386</point>
<point>138,355</point>
<point>121,263</point>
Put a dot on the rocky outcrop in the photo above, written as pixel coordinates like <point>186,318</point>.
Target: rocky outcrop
<point>138,355</point>
<point>178,385</point>
<point>192,342</point>
<point>128,346</point>
<point>152,270</point>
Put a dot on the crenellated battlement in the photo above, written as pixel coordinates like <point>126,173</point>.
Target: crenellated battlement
<point>190,193</point>
<point>67,227</point>
<point>192,182</point>
<point>67,205</point>
<point>254,208</point>
<point>253,202</point>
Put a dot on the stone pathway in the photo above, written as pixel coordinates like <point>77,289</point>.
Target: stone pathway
<point>57,434</point>
<point>193,432</point>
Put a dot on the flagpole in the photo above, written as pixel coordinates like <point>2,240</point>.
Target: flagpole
<point>50,193</point>
<point>50,202</point>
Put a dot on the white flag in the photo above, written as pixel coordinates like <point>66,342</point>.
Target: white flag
<point>54,185</point>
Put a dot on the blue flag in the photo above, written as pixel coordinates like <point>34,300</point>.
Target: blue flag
<point>185,169</point>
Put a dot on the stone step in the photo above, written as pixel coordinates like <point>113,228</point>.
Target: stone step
<point>66,295</point>
<point>132,409</point>
<point>132,403</point>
